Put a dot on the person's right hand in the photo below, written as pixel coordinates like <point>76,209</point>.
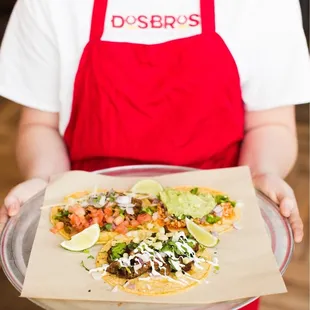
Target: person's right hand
<point>17,196</point>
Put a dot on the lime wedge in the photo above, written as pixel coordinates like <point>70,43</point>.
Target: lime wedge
<point>202,236</point>
<point>83,240</point>
<point>147,187</point>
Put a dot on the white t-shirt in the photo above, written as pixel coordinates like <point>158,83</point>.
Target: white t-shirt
<point>45,39</point>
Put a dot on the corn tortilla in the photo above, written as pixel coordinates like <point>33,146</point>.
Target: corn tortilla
<point>155,286</point>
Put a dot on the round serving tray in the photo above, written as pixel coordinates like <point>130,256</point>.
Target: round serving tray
<point>18,236</point>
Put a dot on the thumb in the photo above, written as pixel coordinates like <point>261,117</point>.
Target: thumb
<point>12,204</point>
<point>287,205</point>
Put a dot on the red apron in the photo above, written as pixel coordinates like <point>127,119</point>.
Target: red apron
<point>176,103</point>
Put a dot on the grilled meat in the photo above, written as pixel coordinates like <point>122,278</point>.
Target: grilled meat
<point>127,272</point>
<point>187,267</point>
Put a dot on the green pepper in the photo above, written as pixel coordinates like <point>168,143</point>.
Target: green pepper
<point>148,210</point>
<point>212,219</point>
<point>222,199</point>
<point>108,227</point>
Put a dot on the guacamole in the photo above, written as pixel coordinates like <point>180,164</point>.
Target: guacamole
<point>181,203</point>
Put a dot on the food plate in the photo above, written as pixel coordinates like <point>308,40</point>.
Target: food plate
<point>17,239</point>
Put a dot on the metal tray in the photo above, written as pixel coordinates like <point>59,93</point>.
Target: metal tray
<point>18,236</point>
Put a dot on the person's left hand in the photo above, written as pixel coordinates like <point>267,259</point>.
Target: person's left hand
<point>283,195</point>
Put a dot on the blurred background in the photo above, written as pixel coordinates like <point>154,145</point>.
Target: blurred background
<point>297,275</point>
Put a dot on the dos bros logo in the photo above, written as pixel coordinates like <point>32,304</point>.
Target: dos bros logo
<point>155,21</point>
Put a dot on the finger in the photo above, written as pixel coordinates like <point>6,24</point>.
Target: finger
<point>3,217</point>
<point>12,205</point>
<point>287,206</point>
<point>297,226</point>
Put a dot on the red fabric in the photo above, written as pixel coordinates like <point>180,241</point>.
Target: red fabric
<point>253,306</point>
<point>176,103</point>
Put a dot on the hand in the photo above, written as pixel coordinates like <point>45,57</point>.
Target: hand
<point>283,195</point>
<point>17,196</point>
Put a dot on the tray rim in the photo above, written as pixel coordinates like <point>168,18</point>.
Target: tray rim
<point>178,169</point>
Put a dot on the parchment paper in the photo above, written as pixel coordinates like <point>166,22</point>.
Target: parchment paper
<point>247,265</point>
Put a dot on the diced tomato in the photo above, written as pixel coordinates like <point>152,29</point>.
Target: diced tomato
<point>95,220</point>
<point>122,229</point>
<point>59,225</point>
<point>108,211</point>
<point>126,223</point>
<point>134,223</point>
<point>144,218</point>
<point>119,220</point>
<point>110,219</point>
<point>75,220</point>
<point>78,223</point>
<point>79,211</point>
<point>116,213</point>
<point>54,230</point>
<point>100,216</point>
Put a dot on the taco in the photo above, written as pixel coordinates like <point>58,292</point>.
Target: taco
<point>163,263</point>
<point>116,212</point>
<point>212,209</point>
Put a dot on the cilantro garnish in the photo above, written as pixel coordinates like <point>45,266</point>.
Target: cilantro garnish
<point>194,191</point>
<point>61,214</point>
<point>83,265</point>
<point>118,250</point>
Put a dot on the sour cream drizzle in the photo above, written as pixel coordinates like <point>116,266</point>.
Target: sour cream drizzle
<point>144,253</point>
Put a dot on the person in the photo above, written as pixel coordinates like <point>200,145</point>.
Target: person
<point>206,84</point>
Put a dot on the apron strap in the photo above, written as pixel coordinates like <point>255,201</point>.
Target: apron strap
<point>98,19</point>
<point>207,12</point>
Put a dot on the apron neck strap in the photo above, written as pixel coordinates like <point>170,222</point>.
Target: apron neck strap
<point>207,12</point>
<point>98,19</point>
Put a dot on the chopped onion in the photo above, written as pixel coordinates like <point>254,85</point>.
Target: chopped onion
<point>97,275</point>
<point>149,226</point>
<point>145,258</point>
<point>218,209</point>
<point>155,216</point>
<point>137,267</point>
<point>237,226</point>
<point>239,204</point>
<point>136,240</point>
<point>102,200</point>
<point>84,204</point>
<point>215,260</point>
<point>215,234</point>
<point>124,200</point>
<point>219,214</point>
<point>130,285</point>
<point>124,206</point>
<point>115,289</point>
<point>130,210</point>
<point>162,230</point>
